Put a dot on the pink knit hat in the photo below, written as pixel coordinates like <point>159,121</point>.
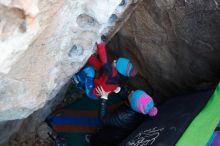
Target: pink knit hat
<point>141,102</point>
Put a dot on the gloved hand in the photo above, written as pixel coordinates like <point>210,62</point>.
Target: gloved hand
<point>102,93</point>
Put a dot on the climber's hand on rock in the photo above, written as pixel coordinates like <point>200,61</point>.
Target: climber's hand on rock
<point>102,93</point>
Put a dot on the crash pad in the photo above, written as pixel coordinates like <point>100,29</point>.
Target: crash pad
<point>202,127</point>
<point>215,138</point>
<point>173,118</point>
<point>77,120</point>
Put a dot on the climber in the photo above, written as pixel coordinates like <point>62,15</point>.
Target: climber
<point>84,81</point>
<point>107,75</point>
<point>125,119</point>
<point>110,75</point>
<point>139,101</point>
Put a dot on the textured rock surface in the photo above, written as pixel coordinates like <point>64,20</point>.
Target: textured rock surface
<point>42,43</point>
<point>175,45</point>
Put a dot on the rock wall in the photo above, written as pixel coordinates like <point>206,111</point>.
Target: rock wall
<point>175,45</point>
<point>43,43</point>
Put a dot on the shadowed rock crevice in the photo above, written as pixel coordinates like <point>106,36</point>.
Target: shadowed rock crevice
<point>174,45</point>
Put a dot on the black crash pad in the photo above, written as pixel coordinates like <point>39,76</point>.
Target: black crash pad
<point>173,118</point>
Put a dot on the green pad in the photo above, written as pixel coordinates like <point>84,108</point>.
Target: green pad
<point>202,127</point>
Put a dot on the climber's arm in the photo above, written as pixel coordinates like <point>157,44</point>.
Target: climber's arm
<point>102,52</point>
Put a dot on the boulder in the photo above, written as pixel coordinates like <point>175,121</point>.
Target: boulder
<point>42,44</point>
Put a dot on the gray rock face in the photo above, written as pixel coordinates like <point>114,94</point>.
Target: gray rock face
<point>175,45</point>
<point>43,43</point>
